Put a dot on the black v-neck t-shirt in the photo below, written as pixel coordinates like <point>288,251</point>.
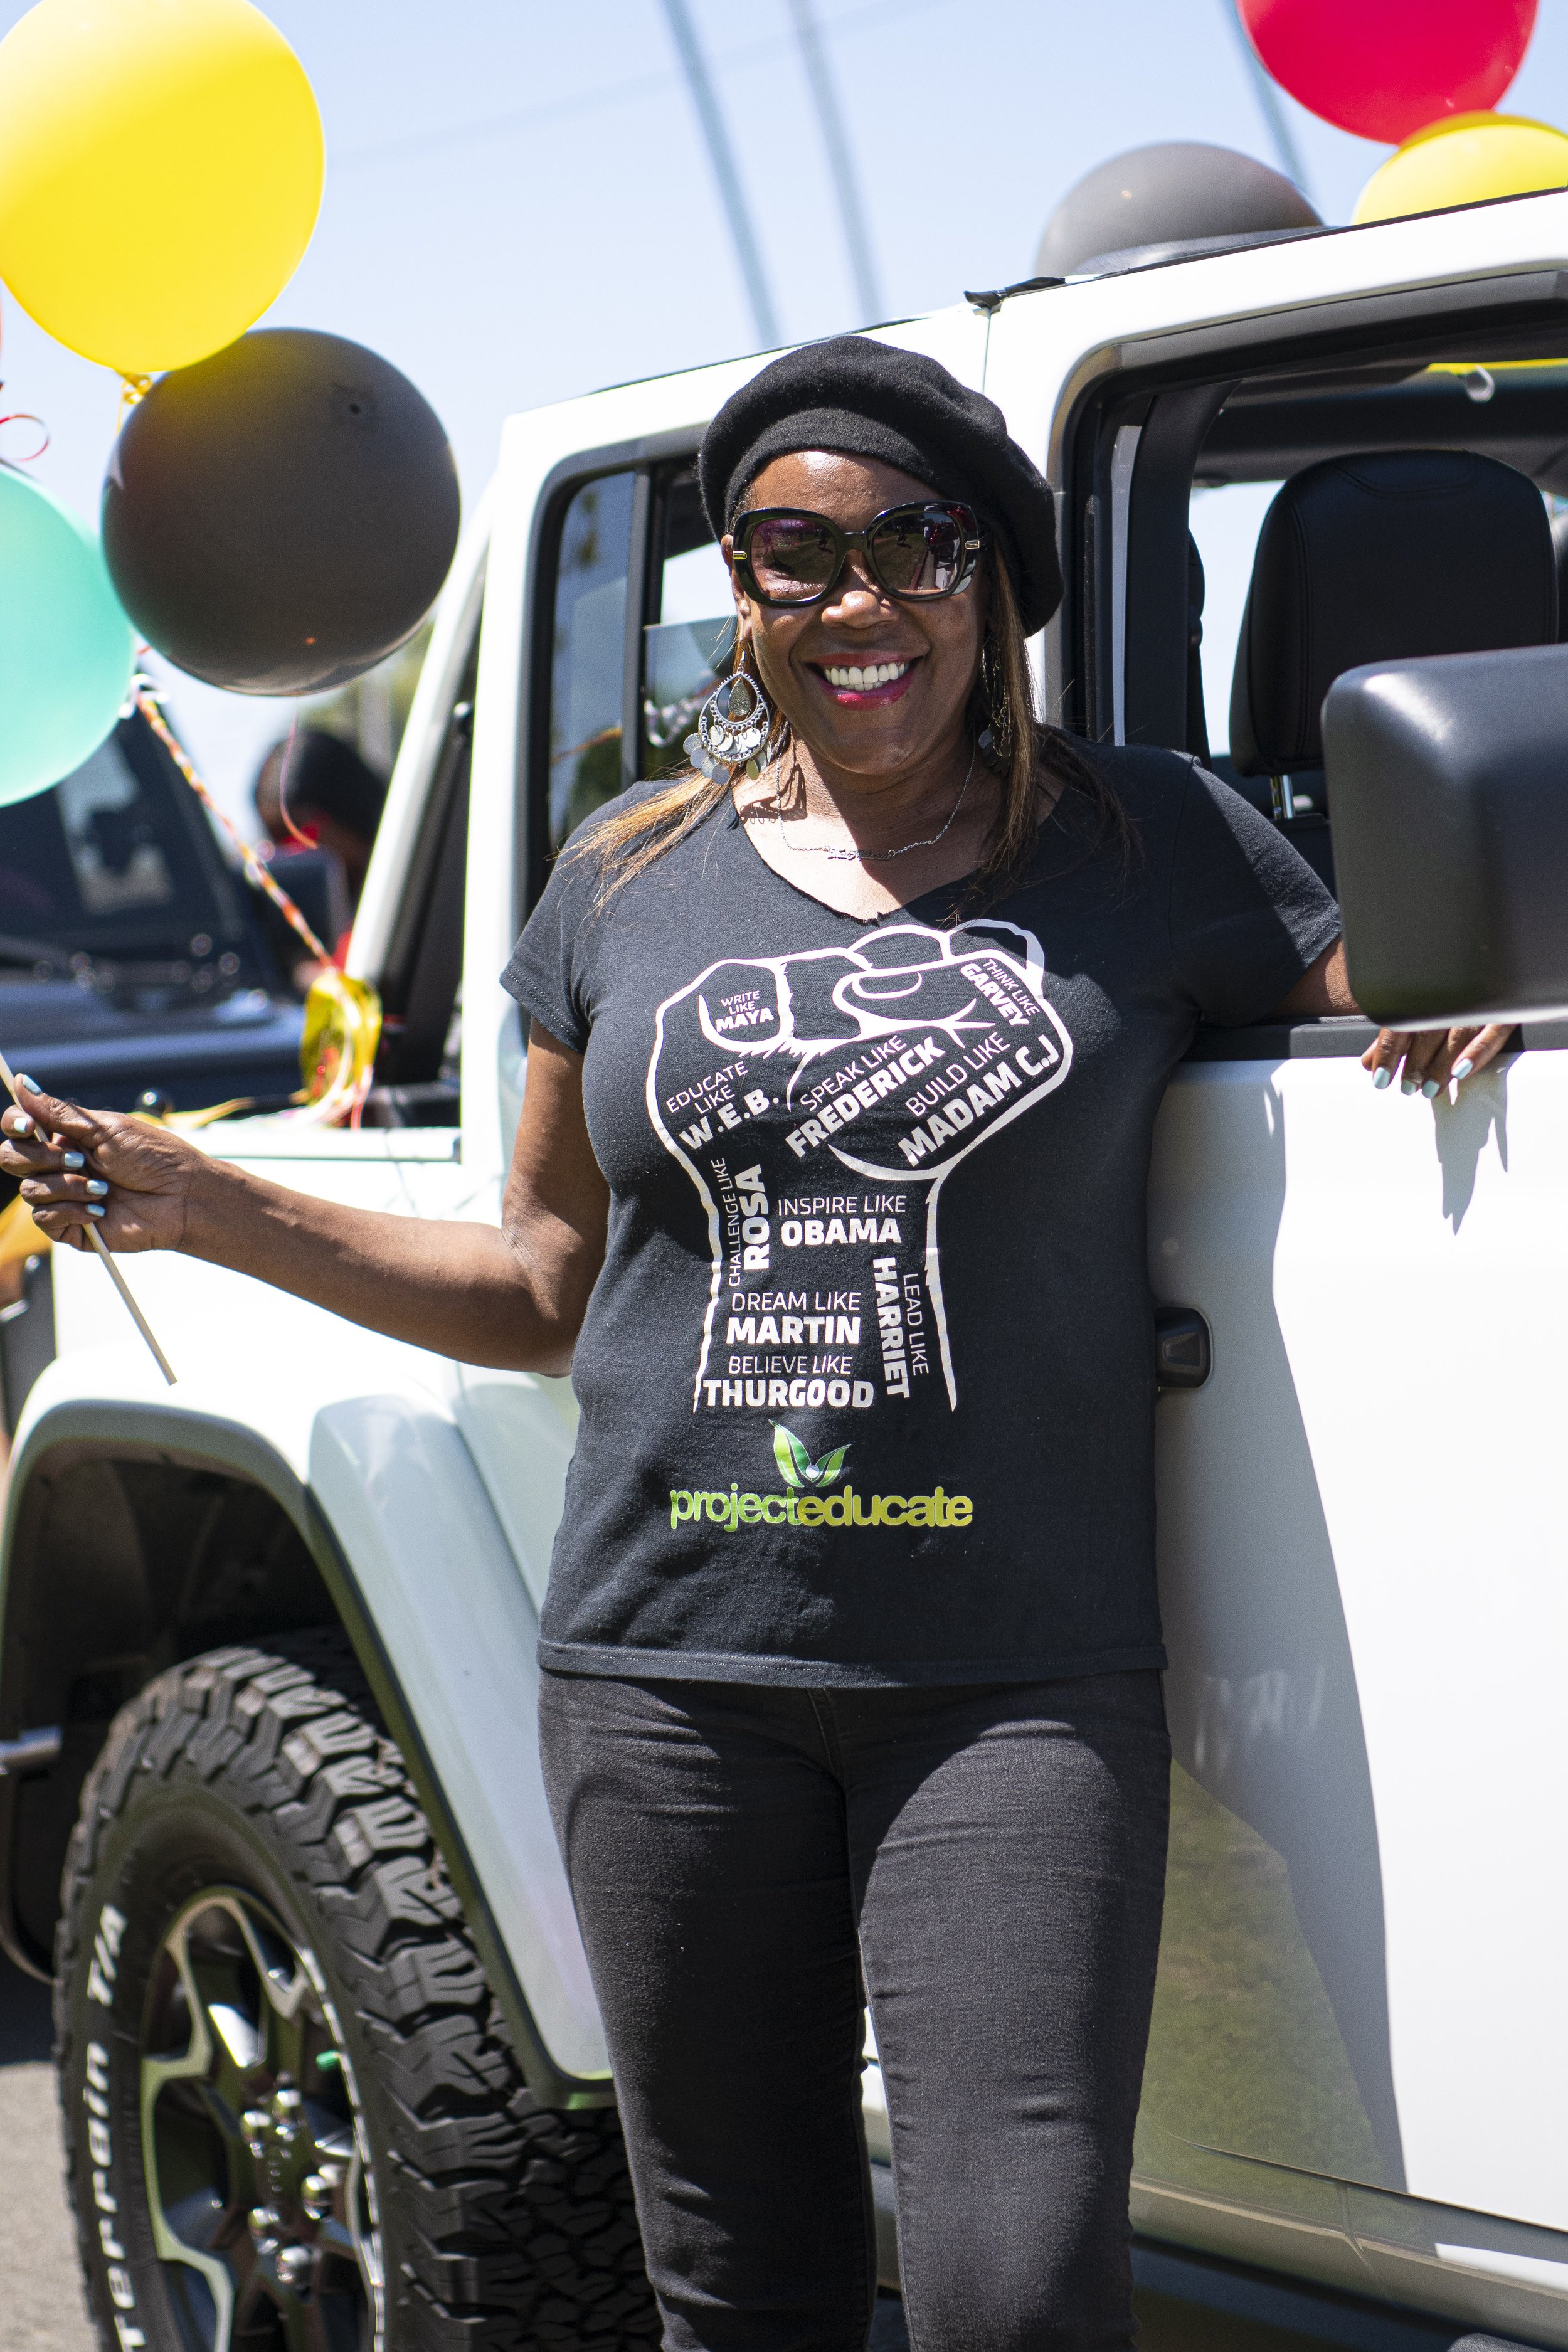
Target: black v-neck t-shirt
<point>867,1381</point>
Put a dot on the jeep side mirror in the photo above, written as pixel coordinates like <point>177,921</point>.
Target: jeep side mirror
<point>1448,785</point>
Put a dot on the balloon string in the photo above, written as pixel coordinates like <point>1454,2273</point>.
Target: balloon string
<point>303,839</point>
<point>142,695</point>
<point>133,388</point>
<point>24,416</point>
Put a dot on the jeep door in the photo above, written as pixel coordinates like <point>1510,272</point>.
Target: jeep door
<point>1359,2055</point>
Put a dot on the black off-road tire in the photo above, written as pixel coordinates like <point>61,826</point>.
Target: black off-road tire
<point>497,2225</point>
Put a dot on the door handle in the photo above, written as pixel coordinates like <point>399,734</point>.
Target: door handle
<point>1183,1349</point>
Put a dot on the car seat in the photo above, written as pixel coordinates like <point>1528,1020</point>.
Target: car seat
<point>1380,556</point>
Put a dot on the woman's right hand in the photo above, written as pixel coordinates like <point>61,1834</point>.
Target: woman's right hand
<point>133,1181</point>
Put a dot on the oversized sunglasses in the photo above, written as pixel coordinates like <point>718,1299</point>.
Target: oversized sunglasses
<point>785,555</point>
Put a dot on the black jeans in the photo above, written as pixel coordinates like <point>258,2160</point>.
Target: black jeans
<point>986,1864</point>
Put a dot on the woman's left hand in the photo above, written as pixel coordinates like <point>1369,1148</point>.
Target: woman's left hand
<point>1431,1057</point>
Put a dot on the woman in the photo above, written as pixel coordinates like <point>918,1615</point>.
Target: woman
<point>829,1187</point>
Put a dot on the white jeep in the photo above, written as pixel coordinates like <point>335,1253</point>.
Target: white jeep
<point>332,2073</point>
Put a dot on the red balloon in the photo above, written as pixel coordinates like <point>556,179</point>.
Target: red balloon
<point>1386,67</point>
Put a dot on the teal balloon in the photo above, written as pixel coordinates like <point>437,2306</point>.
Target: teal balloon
<point>67,650</point>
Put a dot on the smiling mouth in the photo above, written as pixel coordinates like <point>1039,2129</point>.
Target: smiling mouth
<point>863,682</point>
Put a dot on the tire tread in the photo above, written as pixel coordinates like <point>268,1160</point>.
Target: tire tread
<point>511,2225</point>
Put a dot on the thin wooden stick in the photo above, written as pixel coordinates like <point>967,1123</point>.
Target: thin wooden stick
<point>107,1255</point>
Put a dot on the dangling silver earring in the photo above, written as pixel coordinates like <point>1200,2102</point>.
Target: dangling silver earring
<point>734,727</point>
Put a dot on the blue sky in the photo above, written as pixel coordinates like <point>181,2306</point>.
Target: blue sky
<point>520,207</point>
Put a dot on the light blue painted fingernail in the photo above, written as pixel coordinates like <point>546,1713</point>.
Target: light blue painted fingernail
<point>1462,1069</point>
<point>73,1159</point>
<point>1430,1089</point>
<point>20,1123</point>
<point>95,1208</point>
<point>97,1189</point>
<point>31,1084</point>
<point>1408,1085</point>
<point>1382,1078</point>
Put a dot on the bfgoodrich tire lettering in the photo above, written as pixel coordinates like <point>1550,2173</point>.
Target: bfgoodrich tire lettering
<point>293,2118</point>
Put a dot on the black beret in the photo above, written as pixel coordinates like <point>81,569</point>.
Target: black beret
<point>874,399</point>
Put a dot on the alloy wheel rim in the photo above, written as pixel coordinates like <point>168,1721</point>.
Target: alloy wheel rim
<point>259,2187</point>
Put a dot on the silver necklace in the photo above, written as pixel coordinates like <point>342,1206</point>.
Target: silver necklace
<point>828,849</point>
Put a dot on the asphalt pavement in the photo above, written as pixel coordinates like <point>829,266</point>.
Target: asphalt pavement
<point>40,2299</point>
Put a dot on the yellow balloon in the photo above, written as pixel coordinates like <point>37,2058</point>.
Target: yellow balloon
<point>160,166</point>
<point>1462,160</point>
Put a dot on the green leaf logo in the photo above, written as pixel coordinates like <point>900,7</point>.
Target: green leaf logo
<point>796,1467</point>
<point>795,1463</point>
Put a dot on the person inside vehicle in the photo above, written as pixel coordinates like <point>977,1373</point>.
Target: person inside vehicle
<point>829,1191</point>
<point>317,798</point>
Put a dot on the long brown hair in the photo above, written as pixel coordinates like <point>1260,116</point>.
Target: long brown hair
<point>1027,759</point>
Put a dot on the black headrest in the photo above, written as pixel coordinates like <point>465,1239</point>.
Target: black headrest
<point>1382,557</point>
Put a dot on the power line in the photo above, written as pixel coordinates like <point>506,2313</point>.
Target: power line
<point>496,126</point>
<point>607,94</point>
<point>748,253</point>
<point>840,159</point>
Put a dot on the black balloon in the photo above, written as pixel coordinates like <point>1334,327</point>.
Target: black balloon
<point>280,517</point>
<point>1176,189</point>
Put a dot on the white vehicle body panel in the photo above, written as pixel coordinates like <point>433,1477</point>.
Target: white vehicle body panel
<point>1364,1571</point>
